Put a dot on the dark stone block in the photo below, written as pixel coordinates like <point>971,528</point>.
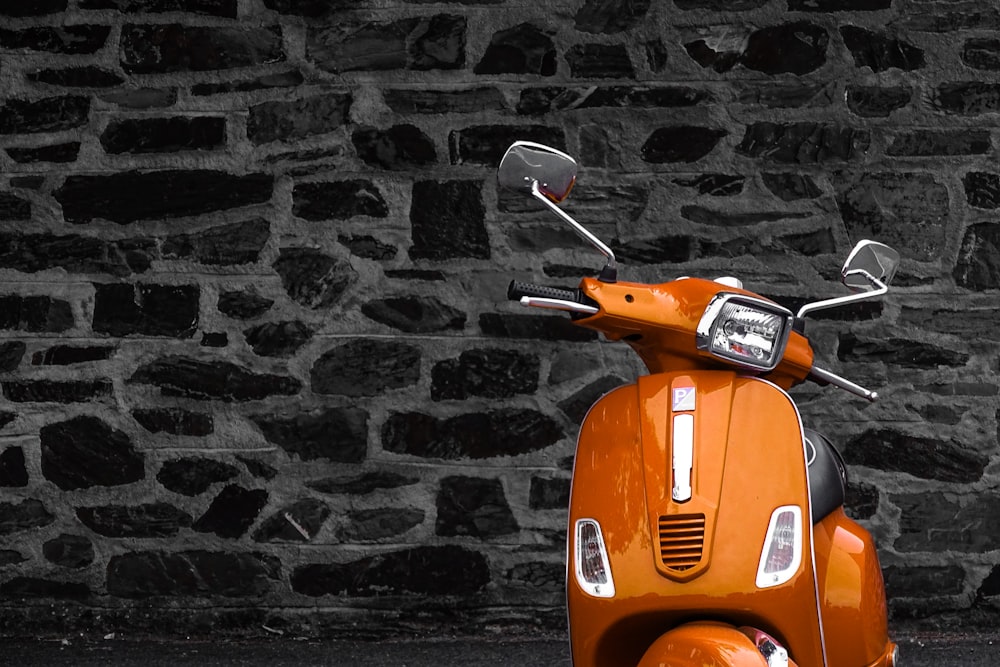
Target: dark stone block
<point>600,61</point>
<point>960,389</point>
<point>175,421</point>
<point>967,98</point>
<point>448,221</point>
<point>428,43</point>
<point>427,570</point>
<point>29,253</point>
<point>50,114</point>
<point>309,8</point>
<point>59,153</point>
<point>13,207</point>
<point>410,275</point>
<point>473,507</point>
<point>123,309</point>
<point>991,585</point>
<point>131,196</point>
<point>796,48</point>
<point>610,16</point>
<point>549,493</point>
<point>368,247</point>
<point>225,245</point>
<point>232,512</point>
<point>473,100</point>
<point>244,305</point>
<point>12,470</point>
<point>576,406</point>
<point>923,581</point>
<point>861,501</point>
<point>338,200</point>
<point>494,373</point>
<point>939,414</point>
<point>11,557</point>
<point>717,218</point>
<point>371,525</point>
<point>298,119</point>
<point>716,185</point>
<point>791,187</point>
<point>11,353</point>
<point>957,318</point>
<point>947,460</point>
<point>415,314</point>
<point>538,575</point>
<point>212,380</point>
<point>877,102</point>
<point>35,314</point>
<point>898,352</point>
<point>278,339</point>
<point>838,5</point>
<point>681,143</point>
<point>931,143</point>
<point>907,210</point>
<point>790,95</point>
<point>938,522</point>
<point>141,98</point>
<point>804,143</point>
<point>68,39</point>
<point>146,574</point>
<point>486,144</point>
<point>194,476</point>
<point>134,521</point>
<point>366,367</point>
<point>21,8</point>
<point>507,432</point>
<point>171,47</point>
<point>335,434</point>
<point>214,339</point>
<point>221,8</point>
<point>26,182</point>
<point>298,522</point>
<point>312,278</point>
<point>73,551</point>
<point>7,418</point>
<point>982,189</point>
<point>982,53</point>
<point>52,391</point>
<point>879,52</point>
<point>161,135</point>
<point>978,265</point>
<point>537,327</point>
<point>34,587</point>
<point>290,79</point>
<point>358,485</point>
<point>84,451</point>
<point>656,54</point>
<point>523,49</point>
<point>399,148</point>
<point>77,77</point>
<point>25,515</point>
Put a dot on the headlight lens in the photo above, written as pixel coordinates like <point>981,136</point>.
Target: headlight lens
<point>748,331</point>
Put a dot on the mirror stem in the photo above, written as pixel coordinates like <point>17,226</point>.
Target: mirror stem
<point>880,289</point>
<point>609,273</point>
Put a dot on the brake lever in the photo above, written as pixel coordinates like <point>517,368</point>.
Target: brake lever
<point>558,304</point>
<point>845,384</point>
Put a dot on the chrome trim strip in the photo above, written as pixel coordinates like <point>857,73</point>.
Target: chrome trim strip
<point>683,456</point>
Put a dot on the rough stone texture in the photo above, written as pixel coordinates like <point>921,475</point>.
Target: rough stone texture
<point>257,359</point>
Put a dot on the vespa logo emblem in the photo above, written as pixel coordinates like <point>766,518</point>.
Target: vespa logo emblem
<point>684,399</point>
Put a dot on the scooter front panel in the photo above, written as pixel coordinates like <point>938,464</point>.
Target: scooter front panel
<point>747,460</point>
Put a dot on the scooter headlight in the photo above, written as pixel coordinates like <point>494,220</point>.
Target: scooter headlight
<point>744,330</point>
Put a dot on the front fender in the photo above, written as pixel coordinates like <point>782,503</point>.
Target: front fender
<point>703,644</point>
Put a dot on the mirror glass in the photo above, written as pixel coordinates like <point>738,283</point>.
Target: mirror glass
<point>869,259</point>
<point>526,163</point>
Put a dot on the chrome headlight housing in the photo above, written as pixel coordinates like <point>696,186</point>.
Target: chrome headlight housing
<point>746,331</point>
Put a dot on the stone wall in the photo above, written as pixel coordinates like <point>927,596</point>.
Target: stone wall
<point>257,365</point>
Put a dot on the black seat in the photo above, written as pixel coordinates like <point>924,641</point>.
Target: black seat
<point>827,475</point>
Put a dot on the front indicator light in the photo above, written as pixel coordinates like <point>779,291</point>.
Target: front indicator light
<point>593,571</point>
<point>782,553</point>
<point>748,331</point>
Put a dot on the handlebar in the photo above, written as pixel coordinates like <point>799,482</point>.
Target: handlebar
<point>821,376</point>
<point>516,290</point>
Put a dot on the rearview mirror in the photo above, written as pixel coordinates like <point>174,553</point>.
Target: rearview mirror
<point>869,260</point>
<point>526,163</point>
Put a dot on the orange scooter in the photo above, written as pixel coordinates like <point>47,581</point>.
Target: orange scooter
<point>706,526</point>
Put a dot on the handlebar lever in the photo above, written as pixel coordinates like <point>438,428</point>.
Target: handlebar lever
<point>826,377</point>
<point>558,304</point>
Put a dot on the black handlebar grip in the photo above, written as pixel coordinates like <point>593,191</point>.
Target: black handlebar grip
<point>518,289</point>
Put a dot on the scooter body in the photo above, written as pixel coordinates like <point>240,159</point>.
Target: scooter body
<point>706,526</point>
